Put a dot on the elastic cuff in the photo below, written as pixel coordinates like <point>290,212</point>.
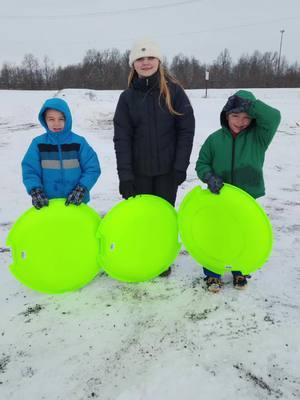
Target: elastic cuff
<point>237,273</point>
<point>211,274</point>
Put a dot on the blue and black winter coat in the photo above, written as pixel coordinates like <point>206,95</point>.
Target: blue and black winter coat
<point>57,162</point>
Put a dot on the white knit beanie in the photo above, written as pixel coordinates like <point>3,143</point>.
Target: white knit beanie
<point>144,48</point>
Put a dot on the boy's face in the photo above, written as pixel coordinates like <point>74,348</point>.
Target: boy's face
<point>237,122</point>
<point>55,120</point>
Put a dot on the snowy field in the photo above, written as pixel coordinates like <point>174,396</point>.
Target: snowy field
<point>167,339</point>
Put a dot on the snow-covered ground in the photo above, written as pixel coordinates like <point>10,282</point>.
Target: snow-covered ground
<point>167,339</point>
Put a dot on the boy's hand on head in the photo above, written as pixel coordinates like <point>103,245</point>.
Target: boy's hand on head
<point>214,182</point>
<point>39,199</point>
<point>76,196</point>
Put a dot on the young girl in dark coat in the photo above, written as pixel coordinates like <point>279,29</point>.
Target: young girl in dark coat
<point>153,128</point>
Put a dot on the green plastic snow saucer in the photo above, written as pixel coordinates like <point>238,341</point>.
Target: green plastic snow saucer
<point>55,249</point>
<point>139,238</point>
<point>225,232</point>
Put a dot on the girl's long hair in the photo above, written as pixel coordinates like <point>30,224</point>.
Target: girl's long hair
<point>164,77</point>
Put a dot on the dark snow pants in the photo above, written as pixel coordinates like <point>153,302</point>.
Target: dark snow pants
<point>162,185</point>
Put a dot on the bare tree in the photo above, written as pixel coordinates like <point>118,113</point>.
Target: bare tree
<point>48,73</point>
<point>31,72</point>
<point>7,76</point>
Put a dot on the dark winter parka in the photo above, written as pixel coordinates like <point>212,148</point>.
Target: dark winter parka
<point>239,161</point>
<point>148,139</point>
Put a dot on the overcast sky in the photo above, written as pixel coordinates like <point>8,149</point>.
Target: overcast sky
<point>65,29</point>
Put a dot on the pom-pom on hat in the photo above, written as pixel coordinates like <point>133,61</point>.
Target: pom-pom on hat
<point>144,48</point>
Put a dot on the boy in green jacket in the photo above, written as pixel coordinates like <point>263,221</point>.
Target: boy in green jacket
<point>235,154</point>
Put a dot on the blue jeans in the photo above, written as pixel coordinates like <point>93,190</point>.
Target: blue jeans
<point>209,273</point>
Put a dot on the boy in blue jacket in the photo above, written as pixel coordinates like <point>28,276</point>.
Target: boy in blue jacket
<point>59,163</point>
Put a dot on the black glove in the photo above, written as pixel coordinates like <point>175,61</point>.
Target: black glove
<point>76,196</point>
<point>39,199</point>
<point>127,189</point>
<point>236,104</point>
<point>180,176</point>
<point>214,182</point>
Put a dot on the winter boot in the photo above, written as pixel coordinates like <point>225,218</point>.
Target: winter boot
<point>240,281</point>
<point>213,284</point>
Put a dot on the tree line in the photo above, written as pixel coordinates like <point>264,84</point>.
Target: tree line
<point>108,70</point>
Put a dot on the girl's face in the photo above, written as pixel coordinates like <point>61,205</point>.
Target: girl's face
<point>146,66</point>
<point>55,120</point>
<point>237,122</point>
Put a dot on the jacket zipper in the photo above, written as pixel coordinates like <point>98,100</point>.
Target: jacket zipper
<point>156,133</point>
<point>232,160</point>
<point>61,164</point>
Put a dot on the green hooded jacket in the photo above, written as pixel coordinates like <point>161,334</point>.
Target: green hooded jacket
<point>239,161</point>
